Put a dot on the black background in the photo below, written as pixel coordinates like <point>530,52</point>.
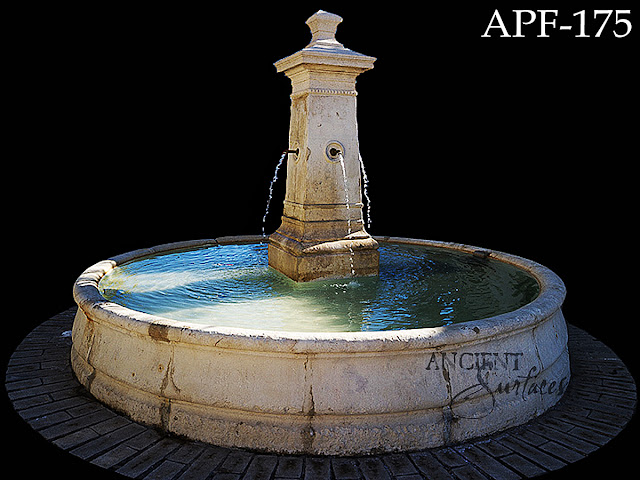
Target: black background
<point>133,128</point>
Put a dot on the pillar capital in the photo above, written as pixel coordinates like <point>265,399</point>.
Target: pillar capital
<point>323,26</point>
<point>324,52</point>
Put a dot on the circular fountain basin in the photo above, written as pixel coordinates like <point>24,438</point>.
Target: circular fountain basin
<point>323,392</point>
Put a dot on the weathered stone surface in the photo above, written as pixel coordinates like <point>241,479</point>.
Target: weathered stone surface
<point>324,393</point>
<point>599,402</point>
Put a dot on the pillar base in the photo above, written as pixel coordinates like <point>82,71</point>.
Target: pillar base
<point>304,262</point>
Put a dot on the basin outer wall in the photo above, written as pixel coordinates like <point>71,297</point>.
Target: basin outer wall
<point>323,393</point>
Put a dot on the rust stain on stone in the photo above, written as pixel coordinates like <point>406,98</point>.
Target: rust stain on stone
<point>159,332</point>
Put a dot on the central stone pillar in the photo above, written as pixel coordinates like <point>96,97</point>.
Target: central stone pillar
<point>322,233</point>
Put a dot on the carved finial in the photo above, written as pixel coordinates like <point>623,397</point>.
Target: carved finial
<point>323,27</point>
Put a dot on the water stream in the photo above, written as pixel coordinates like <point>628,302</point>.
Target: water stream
<point>365,183</point>
<point>273,181</point>
<point>346,199</point>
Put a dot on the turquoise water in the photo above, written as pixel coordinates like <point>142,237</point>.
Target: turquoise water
<point>233,285</point>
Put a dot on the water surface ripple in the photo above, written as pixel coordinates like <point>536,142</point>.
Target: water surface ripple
<point>233,285</point>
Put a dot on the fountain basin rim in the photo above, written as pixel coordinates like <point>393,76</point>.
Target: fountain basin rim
<point>88,297</point>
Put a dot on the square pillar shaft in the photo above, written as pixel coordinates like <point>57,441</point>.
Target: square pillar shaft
<point>322,233</point>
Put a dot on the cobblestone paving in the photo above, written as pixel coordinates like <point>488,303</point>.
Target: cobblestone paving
<point>599,402</point>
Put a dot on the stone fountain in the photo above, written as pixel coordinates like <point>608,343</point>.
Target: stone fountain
<point>322,233</point>
<point>271,386</point>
